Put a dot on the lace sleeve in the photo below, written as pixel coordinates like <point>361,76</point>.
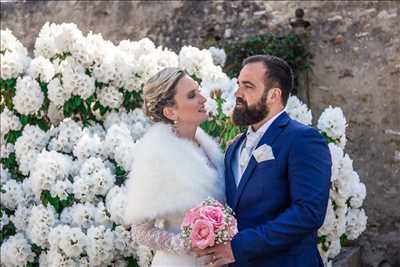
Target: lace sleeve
<point>149,235</point>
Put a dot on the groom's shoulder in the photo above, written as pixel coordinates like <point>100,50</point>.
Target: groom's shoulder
<point>300,130</point>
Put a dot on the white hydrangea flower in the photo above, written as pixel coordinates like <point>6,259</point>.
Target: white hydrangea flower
<point>218,55</point>
<point>110,96</point>
<point>298,110</point>
<point>56,257</point>
<point>16,251</point>
<point>116,202</point>
<point>337,155</point>
<point>4,220</point>
<point>9,122</point>
<point>54,39</point>
<point>79,215</point>
<point>340,226</point>
<point>27,161</point>
<point>344,181</point>
<point>43,261</point>
<point>75,80</point>
<point>66,136</point>
<point>145,256</point>
<point>21,216</point>
<point>94,179</point>
<point>194,60</point>
<point>116,135</point>
<point>100,248</point>
<point>5,149</point>
<point>56,92</point>
<point>359,192</point>
<point>29,196</point>
<point>329,222</point>
<point>166,58</point>
<point>28,97</point>
<point>136,120</point>
<point>83,52</point>
<point>55,114</point>
<point>40,222</point>
<point>50,172</point>
<point>89,146</point>
<point>12,65</point>
<point>334,248</point>
<point>333,123</point>
<point>356,223</point>
<point>11,194</point>
<point>41,68</point>
<point>44,44</point>
<point>4,175</point>
<point>124,155</point>
<point>101,216</point>
<point>123,242</point>
<point>70,240</point>
<point>136,49</point>
<point>9,43</point>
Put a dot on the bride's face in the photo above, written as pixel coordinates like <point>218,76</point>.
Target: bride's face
<point>189,103</point>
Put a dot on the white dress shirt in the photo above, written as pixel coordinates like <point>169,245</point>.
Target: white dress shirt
<point>256,135</point>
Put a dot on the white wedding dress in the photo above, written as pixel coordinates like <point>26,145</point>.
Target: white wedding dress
<point>169,176</point>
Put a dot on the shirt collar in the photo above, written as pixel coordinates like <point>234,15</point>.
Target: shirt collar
<point>264,127</point>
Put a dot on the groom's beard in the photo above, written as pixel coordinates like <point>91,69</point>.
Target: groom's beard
<point>245,115</point>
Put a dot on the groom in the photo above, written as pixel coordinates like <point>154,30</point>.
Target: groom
<point>277,175</point>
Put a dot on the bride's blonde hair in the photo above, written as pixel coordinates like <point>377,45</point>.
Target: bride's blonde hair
<point>159,92</point>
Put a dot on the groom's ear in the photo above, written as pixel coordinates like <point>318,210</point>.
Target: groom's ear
<point>275,94</point>
<point>169,113</point>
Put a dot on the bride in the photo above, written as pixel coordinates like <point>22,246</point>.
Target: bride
<point>177,166</point>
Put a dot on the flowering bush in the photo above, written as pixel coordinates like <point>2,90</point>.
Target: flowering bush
<point>70,118</point>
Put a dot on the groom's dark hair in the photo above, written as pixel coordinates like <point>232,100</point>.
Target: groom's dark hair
<point>278,71</point>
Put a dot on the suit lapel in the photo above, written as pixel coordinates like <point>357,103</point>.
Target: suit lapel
<point>268,138</point>
<point>230,179</point>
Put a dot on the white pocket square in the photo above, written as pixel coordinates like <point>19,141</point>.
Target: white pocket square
<point>263,153</point>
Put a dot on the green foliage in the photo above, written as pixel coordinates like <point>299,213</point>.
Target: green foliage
<point>132,262</point>
<point>8,230</point>
<point>11,164</point>
<point>221,126</point>
<point>58,204</point>
<point>79,108</point>
<point>289,47</point>
<point>43,123</point>
<point>329,139</point>
<point>120,175</point>
<point>133,100</point>
<point>7,92</point>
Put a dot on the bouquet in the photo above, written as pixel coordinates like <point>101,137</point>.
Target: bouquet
<point>211,223</point>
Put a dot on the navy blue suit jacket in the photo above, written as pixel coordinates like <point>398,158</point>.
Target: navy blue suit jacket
<point>281,203</point>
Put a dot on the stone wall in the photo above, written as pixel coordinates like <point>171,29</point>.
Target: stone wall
<point>357,66</point>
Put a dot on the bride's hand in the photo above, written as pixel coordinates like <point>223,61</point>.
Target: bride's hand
<point>216,256</point>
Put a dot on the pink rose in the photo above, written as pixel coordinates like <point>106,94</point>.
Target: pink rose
<point>202,234</point>
<point>191,217</point>
<point>214,215</point>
